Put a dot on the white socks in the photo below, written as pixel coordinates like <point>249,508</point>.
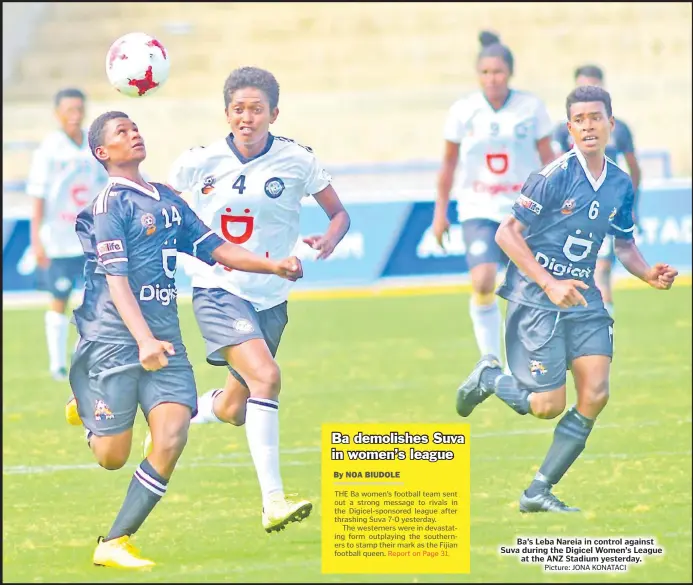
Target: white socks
<point>486,320</point>
<point>56,339</point>
<point>205,410</point>
<point>262,430</point>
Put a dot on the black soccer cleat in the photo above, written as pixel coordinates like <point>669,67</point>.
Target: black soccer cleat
<point>472,392</point>
<point>544,501</point>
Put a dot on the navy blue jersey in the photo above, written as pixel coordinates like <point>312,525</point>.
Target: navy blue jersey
<point>568,214</point>
<point>130,231</point>
<point>621,141</point>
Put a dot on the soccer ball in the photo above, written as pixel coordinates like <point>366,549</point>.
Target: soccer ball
<point>137,64</point>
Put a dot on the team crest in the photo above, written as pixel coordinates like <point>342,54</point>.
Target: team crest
<point>612,214</point>
<point>521,130</point>
<point>102,410</point>
<point>243,326</point>
<point>63,284</point>
<point>274,187</point>
<point>208,185</point>
<point>149,222</point>
<point>536,368</point>
<point>568,206</point>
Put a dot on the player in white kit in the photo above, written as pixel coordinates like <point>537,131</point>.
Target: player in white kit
<point>249,187</point>
<point>498,136</point>
<point>64,177</point>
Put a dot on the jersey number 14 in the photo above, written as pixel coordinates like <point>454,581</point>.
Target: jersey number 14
<point>174,218</point>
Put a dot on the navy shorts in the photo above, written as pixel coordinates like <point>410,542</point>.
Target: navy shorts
<point>226,320</point>
<point>607,252</point>
<point>541,344</point>
<point>480,243</point>
<point>109,383</point>
<point>62,276</point>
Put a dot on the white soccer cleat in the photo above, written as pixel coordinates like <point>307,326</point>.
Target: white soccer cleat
<point>278,511</point>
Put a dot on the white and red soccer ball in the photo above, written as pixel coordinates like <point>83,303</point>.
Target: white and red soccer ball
<point>137,64</point>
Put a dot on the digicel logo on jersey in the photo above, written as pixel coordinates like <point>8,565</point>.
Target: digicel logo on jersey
<point>497,188</point>
<point>497,163</point>
<point>248,221</point>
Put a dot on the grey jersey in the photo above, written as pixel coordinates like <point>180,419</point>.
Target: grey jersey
<point>568,214</point>
<point>130,231</point>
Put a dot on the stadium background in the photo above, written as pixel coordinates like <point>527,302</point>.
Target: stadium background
<point>367,86</point>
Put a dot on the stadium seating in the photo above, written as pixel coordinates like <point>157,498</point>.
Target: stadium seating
<point>360,81</point>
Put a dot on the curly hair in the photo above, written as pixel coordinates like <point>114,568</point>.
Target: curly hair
<point>252,77</point>
<point>588,93</point>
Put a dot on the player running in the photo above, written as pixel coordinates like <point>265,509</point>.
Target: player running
<point>62,179</point>
<point>249,187</point>
<point>556,318</point>
<point>500,135</point>
<point>621,143</point>
<point>130,350</point>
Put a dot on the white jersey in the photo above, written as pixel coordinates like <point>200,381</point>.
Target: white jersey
<point>497,151</point>
<point>254,202</point>
<point>67,177</point>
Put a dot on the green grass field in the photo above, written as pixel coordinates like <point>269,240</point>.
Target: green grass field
<point>380,359</point>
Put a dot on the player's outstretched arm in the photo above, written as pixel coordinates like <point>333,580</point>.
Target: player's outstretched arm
<point>446,178</point>
<point>238,258</point>
<point>339,223</point>
<point>660,276</point>
<point>563,293</point>
<point>152,351</point>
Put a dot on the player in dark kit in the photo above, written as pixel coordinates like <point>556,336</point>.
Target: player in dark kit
<point>620,143</point>
<point>556,318</point>
<point>130,350</point>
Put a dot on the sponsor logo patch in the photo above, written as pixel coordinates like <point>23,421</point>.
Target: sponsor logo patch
<point>529,204</point>
<point>109,247</point>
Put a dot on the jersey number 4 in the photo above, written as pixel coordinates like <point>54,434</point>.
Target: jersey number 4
<point>239,185</point>
<point>174,218</point>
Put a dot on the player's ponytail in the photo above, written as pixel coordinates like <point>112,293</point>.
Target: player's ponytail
<point>487,38</point>
<point>492,47</point>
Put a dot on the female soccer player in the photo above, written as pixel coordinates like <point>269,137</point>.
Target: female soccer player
<point>130,351</point>
<point>249,187</point>
<point>500,135</point>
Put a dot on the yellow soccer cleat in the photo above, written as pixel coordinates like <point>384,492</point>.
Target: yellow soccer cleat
<point>279,512</point>
<point>147,445</point>
<point>119,553</point>
<point>71,413</point>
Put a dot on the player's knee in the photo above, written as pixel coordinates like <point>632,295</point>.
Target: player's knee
<point>548,406</point>
<point>597,396</point>
<point>483,283</point>
<point>170,442</point>
<point>268,380</point>
<point>113,460</point>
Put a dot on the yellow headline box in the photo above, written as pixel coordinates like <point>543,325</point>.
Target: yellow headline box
<point>395,498</point>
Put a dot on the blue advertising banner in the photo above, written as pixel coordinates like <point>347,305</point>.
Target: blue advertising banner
<point>664,236</point>
<point>358,260</point>
<point>394,239</point>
